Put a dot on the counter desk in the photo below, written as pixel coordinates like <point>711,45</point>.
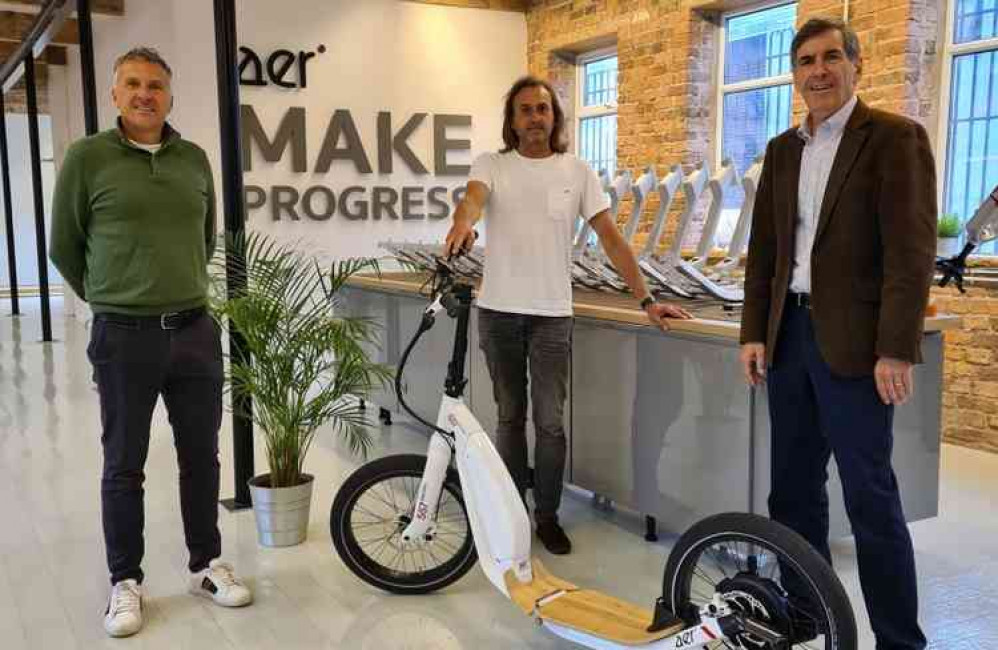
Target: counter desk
<point>661,423</point>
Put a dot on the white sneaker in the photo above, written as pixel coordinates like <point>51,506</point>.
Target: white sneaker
<point>219,582</point>
<point>124,609</point>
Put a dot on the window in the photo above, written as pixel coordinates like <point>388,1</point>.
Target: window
<point>756,91</point>
<point>971,132</point>
<point>596,111</point>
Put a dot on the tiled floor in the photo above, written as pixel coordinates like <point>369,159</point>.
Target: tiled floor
<point>53,580</point>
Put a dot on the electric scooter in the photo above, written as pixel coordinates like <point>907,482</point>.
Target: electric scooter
<point>982,228</point>
<point>413,524</point>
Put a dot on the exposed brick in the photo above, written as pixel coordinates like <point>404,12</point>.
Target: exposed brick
<point>977,438</point>
<point>974,403</point>
<point>985,389</point>
<point>959,386</point>
<point>666,113</point>
<point>979,357</point>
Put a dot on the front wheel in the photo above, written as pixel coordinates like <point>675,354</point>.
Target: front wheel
<point>765,572</point>
<point>372,508</point>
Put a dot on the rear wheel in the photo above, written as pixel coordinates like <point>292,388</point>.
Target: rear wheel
<point>766,572</point>
<point>372,508</point>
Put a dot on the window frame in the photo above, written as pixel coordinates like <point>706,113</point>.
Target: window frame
<point>724,89</point>
<point>583,112</point>
<point>950,51</point>
<point>593,56</point>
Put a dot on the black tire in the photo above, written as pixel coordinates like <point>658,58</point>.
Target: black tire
<point>457,549</point>
<point>721,539</point>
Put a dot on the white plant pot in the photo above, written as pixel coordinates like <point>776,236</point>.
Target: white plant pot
<point>947,246</point>
<point>281,513</point>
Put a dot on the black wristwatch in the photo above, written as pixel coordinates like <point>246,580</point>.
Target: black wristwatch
<point>647,300</point>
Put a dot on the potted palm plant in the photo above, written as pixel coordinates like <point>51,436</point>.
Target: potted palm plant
<point>948,233</point>
<point>306,367</point>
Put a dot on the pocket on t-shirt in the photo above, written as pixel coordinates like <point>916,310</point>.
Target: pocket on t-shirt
<point>562,204</point>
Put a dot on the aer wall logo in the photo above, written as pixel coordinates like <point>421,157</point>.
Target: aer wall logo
<point>342,148</point>
<point>282,68</point>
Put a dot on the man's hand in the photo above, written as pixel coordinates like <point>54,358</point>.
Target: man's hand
<point>460,238</point>
<point>659,311</point>
<point>895,382</point>
<point>753,357</point>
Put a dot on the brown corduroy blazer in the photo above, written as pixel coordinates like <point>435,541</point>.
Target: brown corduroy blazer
<point>874,249</point>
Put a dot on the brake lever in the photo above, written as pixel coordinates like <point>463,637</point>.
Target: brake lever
<point>461,251</point>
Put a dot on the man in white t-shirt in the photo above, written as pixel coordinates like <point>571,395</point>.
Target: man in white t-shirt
<point>531,193</point>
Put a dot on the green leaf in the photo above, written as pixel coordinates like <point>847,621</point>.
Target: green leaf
<point>307,363</point>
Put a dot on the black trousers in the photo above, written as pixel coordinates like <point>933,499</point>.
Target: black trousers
<point>815,414</point>
<point>133,366</point>
<point>516,345</point>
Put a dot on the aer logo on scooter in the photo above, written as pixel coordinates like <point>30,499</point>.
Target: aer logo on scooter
<point>421,511</point>
<point>421,508</point>
<point>685,639</point>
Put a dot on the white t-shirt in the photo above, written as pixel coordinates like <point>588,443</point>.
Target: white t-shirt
<point>151,148</point>
<point>529,220</point>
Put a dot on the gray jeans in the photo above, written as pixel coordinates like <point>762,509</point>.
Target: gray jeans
<point>515,344</point>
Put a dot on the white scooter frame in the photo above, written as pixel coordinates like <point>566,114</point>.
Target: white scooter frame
<point>502,536</point>
<point>746,606</point>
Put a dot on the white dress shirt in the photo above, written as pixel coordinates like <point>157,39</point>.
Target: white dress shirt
<point>815,167</point>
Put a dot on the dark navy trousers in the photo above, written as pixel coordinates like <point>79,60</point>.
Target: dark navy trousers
<point>815,414</point>
<point>133,367</point>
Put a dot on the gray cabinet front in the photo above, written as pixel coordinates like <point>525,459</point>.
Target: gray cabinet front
<point>661,423</point>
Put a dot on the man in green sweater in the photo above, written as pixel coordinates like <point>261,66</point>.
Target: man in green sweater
<point>133,227</point>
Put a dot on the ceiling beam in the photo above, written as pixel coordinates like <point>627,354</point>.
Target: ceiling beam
<point>53,54</point>
<point>15,25</point>
<point>40,33</point>
<point>102,7</point>
<point>501,5</point>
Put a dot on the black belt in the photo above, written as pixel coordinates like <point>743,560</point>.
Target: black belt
<point>171,321</point>
<point>799,299</point>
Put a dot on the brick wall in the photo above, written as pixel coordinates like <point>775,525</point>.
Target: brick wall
<point>970,380</point>
<point>666,103</point>
<point>666,59</point>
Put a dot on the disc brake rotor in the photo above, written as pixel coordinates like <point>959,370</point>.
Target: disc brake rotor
<point>760,599</point>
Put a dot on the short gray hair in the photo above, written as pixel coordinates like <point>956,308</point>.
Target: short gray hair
<point>816,26</point>
<point>142,53</point>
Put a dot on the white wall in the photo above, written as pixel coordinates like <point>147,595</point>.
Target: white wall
<point>22,199</point>
<point>382,55</point>
<point>183,32</point>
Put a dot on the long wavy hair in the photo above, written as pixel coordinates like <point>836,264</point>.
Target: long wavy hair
<point>509,136</point>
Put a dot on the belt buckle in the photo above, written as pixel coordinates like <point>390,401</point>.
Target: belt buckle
<point>164,317</point>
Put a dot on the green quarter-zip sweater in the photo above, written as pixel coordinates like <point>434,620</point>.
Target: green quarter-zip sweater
<point>132,231</point>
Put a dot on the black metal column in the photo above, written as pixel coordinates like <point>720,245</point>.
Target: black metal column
<point>87,65</point>
<point>36,183</point>
<point>9,209</point>
<point>235,220</point>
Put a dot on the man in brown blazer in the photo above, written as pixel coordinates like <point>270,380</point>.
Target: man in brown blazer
<point>837,281</point>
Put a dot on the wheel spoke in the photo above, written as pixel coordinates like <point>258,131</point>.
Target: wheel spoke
<point>390,485</point>
<point>370,514</point>
<point>373,540</point>
<point>379,514</point>
<point>386,500</point>
<point>760,573</point>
